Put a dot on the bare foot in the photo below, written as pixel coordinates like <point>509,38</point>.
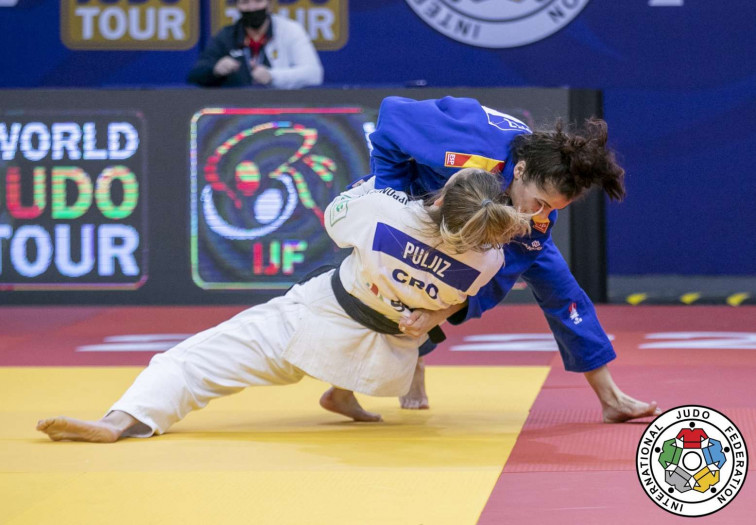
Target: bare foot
<point>416,398</point>
<point>627,409</point>
<point>343,402</point>
<point>65,428</point>
<point>414,401</point>
<point>617,406</point>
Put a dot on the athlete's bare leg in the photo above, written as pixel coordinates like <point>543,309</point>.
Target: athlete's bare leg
<point>416,398</point>
<point>345,403</point>
<point>617,406</point>
<point>106,430</point>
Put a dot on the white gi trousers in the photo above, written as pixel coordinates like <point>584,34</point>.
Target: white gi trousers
<point>276,343</point>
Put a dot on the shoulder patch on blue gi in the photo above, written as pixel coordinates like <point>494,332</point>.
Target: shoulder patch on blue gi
<point>503,121</point>
<point>420,256</point>
<point>453,159</point>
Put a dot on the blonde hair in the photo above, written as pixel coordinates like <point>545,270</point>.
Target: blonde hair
<point>474,214</point>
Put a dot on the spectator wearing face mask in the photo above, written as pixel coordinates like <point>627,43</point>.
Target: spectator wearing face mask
<point>261,49</point>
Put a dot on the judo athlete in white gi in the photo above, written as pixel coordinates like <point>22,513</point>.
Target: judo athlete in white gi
<point>406,255</point>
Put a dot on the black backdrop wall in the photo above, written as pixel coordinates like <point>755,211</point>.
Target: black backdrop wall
<point>192,196</point>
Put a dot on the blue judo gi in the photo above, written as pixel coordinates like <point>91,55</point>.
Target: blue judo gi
<point>418,145</point>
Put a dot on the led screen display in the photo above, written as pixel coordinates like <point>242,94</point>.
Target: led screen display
<point>72,200</point>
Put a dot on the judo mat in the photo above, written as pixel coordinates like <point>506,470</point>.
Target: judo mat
<point>510,437</point>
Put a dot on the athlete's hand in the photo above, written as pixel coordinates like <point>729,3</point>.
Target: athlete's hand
<point>420,321</point>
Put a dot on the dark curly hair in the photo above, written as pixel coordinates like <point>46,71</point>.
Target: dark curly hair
<point>571,161</point>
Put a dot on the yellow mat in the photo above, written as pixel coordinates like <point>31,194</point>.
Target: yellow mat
<point>266,456</point>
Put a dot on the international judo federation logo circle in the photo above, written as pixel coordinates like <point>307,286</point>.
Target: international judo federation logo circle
<point>497,23</point>
<point>692,461</point>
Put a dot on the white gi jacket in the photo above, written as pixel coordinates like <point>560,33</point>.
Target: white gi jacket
<point>393,269</point>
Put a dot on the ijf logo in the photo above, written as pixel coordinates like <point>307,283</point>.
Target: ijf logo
<point>497,23</point>
<point>261,181</point>
<point>692,461</point>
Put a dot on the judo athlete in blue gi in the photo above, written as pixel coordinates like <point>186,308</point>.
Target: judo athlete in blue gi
<point>418,145</point>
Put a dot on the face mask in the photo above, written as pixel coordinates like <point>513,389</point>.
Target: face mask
<point>254,19</point>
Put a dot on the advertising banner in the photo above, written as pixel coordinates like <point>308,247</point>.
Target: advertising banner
<point>129,24</point>
<point>73,207</point>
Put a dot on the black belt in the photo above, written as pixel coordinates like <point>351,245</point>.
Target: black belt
<point>368,317</point>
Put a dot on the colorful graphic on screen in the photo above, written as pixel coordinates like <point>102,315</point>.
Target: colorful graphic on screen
<point>72,201</point>
<point>261,178</point>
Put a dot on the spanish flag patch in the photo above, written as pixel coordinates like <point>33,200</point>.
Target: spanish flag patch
<point>467,160</point>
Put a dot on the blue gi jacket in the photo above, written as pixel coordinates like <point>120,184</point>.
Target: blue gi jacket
<point>418,145</point>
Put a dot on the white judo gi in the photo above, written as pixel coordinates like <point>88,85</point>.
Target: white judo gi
<point>395,266</point>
